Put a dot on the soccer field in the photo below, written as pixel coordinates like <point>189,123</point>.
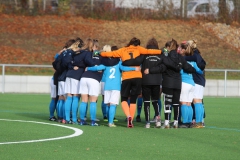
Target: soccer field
<point>27,134</point>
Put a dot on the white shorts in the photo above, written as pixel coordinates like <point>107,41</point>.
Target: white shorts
<point>198,92</point>
<point>187,92</point>
<point>112,96</point>
<point>53,89</point>
<point>89,86</point>
<point>102,88</point>
<point>71,86</point>
<point>61,86</point>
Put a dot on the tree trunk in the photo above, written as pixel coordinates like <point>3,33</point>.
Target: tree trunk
<point>236,11</point>
<point>223,13</point>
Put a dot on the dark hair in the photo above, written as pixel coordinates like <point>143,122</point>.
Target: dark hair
<point>152,44</point>
<point>167,44</point>
<point>114,48</point>
<point>69,43</point>
<point>134,41</point>
<point>81,42</point>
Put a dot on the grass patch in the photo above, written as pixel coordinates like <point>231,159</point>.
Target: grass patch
<point>218,140</point>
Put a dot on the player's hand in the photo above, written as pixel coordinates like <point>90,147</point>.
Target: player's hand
<point>75,67</point>
<point>146,71</point>
<point>137,69</point>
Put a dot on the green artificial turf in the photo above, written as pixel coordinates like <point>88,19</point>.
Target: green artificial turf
<point>220,139</point>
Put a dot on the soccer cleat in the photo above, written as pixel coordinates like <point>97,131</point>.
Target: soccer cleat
<point>59,120</point>
<point>203,124</point>
<point>82,123</point>
<point>157,122</point>
<point>115,120</point>
<point>197,125</point>
<point>94,124</point>
<point>147,125</point>
<point>105,119</point>
<point>175,126</point>
<point>66,122</point>
<point>183,125</point>
<point>75,123</point>
<point>112,125</point>
<point>63,121</point>
<point>52,118</point>
<point>138,118</point>
<point>129,122</point>
<point>165,126</point>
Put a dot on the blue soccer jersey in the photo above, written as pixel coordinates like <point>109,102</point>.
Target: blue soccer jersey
<point>112,75</point>
<point>187,77</point>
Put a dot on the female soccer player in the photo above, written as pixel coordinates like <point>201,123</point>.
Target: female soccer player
<point>131,80</point>
<point>188,87</point>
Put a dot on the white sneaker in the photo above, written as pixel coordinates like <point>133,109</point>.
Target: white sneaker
<point>158,122</point>
<point>147,125</point>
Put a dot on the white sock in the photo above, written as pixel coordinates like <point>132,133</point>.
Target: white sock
<point>166,122</point>
<point>175,123</point>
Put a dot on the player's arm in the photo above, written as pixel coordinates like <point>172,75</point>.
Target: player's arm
<point>126,68</point>
<point>157,69</point>
<point>96,68</point>
<point>143,50</point>
<point>117,53</point>
<point>198,70</point>
<point>134,62</point>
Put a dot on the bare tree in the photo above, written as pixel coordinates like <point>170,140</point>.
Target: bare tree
<point>223,13</point>
<point>236,12</point>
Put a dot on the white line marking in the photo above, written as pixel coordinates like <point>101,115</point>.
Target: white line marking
<point>78,132</point>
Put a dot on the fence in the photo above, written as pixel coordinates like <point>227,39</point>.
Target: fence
<point>40,84</point>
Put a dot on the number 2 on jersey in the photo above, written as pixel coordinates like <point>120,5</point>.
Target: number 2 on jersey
<point>112,71</point>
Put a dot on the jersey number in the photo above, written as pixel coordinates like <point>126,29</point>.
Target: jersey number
<point>131,55</point>
<point>112,71</point>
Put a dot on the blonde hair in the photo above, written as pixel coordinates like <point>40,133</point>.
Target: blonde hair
<point>173,45</point>
<point>192,43</point>
<point>107,48</point>
<point>88,44</point>
<point>74,46</point>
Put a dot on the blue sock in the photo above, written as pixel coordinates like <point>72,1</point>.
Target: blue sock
<point>63,109</point>
<point>86,110</point>
<point>159,105</point>
<point>190,114</point>
<point>52,108</point>
<point>68,104</point>
<point>112,111</point>
<point>82,110</point>
<point>107,110</point>
<point>198,112</point>
<point>202,107</point>
<point>93,110</point>
<point>74,108</point>
<point>104,109</point>
<point>184,113</point>
<point>60,108</point>
<point>139,105</point>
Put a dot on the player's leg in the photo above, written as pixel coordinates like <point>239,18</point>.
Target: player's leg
<point>146,92</point>
<point>167,98</point>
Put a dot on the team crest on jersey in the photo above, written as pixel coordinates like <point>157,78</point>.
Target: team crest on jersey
<point>165,53</point>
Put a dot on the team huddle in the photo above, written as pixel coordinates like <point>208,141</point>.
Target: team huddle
<point>128,75</point>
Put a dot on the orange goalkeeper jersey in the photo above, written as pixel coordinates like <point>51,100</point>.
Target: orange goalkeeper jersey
<point>127,53</point>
